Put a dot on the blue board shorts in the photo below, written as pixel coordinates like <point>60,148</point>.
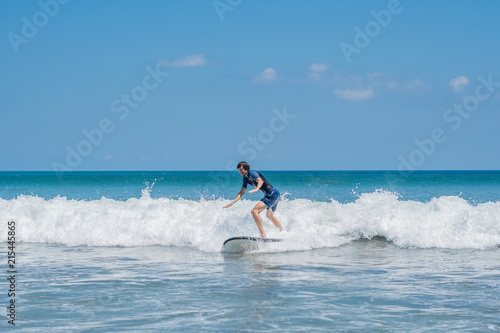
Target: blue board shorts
<point>271,199</point>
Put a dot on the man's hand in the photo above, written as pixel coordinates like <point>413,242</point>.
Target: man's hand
<point>252,191</point>
<point>228,205</point>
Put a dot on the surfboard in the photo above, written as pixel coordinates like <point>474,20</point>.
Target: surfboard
<point>245,243</point>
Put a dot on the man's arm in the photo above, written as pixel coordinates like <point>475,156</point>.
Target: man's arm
<point>238,197</point>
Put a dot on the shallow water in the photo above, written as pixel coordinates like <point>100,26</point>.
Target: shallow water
<point>367,284</point>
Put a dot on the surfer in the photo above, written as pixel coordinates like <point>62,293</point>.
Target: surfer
<point>270,200</point>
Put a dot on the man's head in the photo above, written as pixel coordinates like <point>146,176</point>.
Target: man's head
<point>243,168</point>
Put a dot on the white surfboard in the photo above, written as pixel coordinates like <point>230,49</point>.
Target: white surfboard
<point>245,243</point>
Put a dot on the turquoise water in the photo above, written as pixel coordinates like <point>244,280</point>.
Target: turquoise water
<point>343,186</point>
<point>140,251</point>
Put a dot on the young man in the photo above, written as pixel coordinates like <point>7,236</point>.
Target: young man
<point>270,201</point>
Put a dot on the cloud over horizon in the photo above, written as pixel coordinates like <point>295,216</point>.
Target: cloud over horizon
<point>267,75</point>
<point>317,69</point>
<point>357,87</point>
<point>354,95</point>
<point>458,84</point>
<point>187,61</point>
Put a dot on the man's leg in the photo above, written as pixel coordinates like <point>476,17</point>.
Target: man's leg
<point>270,216</point>
<point>259,207</point>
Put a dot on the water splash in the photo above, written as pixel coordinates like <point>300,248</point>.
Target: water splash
<point>443,222</point>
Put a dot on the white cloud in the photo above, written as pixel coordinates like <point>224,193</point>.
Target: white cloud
<point>415,86</point>
<point>354,95</point>
<point>375,76</point>
<point>187,61</point>
<point>267,75</point>
<point>458,84</point>
<point>317,70</point>
<point>357,87</point>
<point>319,67</point>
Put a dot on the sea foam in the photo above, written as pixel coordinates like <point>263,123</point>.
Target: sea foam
<point>444,222</point>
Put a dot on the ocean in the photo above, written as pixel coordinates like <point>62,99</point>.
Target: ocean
<point>369,251</point>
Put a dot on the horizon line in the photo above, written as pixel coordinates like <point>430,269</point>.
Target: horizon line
<point>200,170</point>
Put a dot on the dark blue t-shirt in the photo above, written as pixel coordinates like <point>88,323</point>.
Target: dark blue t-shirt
<point>251,178</point>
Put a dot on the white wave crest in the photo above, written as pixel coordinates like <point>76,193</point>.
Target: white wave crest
<point>444,222</point>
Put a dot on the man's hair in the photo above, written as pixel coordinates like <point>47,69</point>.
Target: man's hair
<point>244,165</point>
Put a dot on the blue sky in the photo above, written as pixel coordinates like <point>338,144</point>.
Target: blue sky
<point>285,85</point>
